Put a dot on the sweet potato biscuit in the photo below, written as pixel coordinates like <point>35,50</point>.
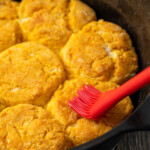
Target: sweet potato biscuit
<point>79,15</point>
<point>10,33</point>
<point>30,127</point>
<point>81,130</point>
<point>52,22</point>
<point>29,7</point>
<point>8,9</point>
<point>100,50</point>
<point>46,28</point>
<point>29,73</point>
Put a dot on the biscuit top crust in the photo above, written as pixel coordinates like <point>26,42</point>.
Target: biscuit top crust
<point>29,7</point>
<point>78,129</point>
<point>79,15</point>
<point>29,73</point>
<point>46,28</point>
<point>10,33</point>
<point>51,22</point>
<point>9,9</point>
<point>30,127</point>
<point>101,50</point>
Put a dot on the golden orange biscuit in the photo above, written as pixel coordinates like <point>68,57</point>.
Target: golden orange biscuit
<point>8,9</point>
<point>29,7</point>
<point>46,28</point>
<point>30,127</point>
<point>79,15</point>
<point>10,33</point>
<point>49,23</point>
<point>97,53</point>
<point>80,130</point>
<point>101,50</point>
<point>29,73</point>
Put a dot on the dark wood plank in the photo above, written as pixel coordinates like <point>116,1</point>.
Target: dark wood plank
<point>135,141</point>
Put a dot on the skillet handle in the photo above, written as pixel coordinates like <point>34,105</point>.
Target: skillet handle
<point>140,119</point>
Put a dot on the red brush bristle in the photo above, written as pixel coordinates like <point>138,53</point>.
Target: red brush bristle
<point>86,98</point>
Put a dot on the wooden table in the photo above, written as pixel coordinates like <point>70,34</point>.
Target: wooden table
<point>134,141</point>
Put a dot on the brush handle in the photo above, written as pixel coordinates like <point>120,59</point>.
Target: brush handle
<point>132,85</point>
<point>108,99</point>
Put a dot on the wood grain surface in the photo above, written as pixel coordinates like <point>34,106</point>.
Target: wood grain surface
<point>134,141</point>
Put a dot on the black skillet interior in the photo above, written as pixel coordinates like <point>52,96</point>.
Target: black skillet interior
<point>134,17</point>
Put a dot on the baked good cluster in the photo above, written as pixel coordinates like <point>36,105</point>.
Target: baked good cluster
<point>48,50</point>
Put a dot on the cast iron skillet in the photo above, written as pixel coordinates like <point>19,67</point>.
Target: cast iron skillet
<point>134,16</point>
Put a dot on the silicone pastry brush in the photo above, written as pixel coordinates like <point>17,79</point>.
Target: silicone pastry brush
<point>93,104</point>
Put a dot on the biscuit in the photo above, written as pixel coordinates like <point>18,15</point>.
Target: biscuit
<point>80,130</point>
<point>101,50</point>
<point>10,33</point>
<point>29,7</point>
<point>79,15</point>
<point>46,28</point>
<point>29,73</point>
<point>25,126</point>
<point>52,22</point>
<point>9,9</point>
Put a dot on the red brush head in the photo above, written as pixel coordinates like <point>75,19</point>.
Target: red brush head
<point>92,104</point>
<point>82,103</point>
